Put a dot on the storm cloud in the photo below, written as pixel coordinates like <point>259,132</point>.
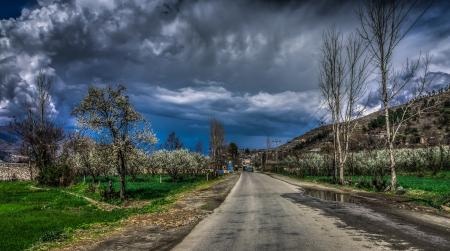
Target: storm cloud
<point>252,64</point>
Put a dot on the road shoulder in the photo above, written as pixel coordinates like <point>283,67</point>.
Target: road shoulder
<point>162,230</point>
<point>396,204</point>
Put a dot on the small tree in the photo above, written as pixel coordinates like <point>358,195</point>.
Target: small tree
<point>199,147</point>
<point>216,143</point>
<point>80,152</point>
<point>109,112</point>
<point>40,135</point>
<point>139,162</point>
<point>382,27</point>
<point>343,78</point>
<point>173,142</point>
<point>233,153</point>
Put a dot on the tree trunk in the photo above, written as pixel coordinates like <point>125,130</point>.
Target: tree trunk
<point>122,187</point>
<point>122,176</point>
<point>392,163</point>
<point>339,156</point>
<point>389,136</point>
<point>30,168</point>
<point>341,172</point>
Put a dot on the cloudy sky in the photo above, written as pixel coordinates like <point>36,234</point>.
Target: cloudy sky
<point>251,64</point>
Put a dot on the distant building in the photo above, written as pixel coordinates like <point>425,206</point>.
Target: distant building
<point>246,162</point>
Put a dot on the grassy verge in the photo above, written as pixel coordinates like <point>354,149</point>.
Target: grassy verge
<point>143,187</point>
<point>30,216</point>
<point>427,189</point>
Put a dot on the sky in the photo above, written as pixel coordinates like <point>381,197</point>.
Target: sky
<point>252,64</point>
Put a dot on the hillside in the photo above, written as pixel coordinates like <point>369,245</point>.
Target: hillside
<point>9,143</point>
<point>431,127</point>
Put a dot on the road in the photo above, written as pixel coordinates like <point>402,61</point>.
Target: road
<point>263,213</point>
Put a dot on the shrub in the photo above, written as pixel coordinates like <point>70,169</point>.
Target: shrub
<point>370,162</point>
<point>56,175</point>
<point>179,162</point>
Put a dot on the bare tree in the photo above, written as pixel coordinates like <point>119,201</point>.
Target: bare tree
<point>173,142</point>
<point>343,78</point>
<point>199,147</point>
<point>382,27</point>
<point>109,112</point>
<point>216,143</point>
<point>40,135</point>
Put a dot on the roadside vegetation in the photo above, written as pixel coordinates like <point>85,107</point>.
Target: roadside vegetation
<point>106,170</point>
<point>430,190</point>
<point>423,173</point>
<point>386,153</point>
<point>32,216</point>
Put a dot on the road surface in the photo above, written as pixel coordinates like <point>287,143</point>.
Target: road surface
<point>263,213</point>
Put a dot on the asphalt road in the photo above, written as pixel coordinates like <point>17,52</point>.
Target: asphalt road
<point>263,213</point>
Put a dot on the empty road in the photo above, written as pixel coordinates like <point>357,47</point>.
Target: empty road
<point>263,213</point>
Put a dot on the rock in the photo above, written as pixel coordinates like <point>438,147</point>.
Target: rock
<point>445,208</point>
<point>400,190</point>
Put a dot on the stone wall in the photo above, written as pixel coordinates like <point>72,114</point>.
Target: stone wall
<point>14,171</point>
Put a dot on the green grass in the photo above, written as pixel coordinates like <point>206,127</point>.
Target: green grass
<point>428,189</point>
<point>144,187</point>
<point>29,215</point>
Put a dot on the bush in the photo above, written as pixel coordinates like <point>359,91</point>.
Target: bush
<point>371,163</point>
<point>179,162</point>
<point>56,175</point>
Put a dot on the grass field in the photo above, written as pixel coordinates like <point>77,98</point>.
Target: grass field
<point>432,190</point>
<point>29,215</point>
<point>144,187</point>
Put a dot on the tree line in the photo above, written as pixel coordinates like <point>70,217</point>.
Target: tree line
<point>112,138</point>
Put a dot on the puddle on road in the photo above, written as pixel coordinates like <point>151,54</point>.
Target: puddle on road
<point>329,195</point>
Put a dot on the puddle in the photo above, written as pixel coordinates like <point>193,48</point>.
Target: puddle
<point>329,195</point>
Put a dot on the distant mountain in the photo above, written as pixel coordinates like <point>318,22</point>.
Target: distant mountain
<point>432,127</point>
<point>7,135</point>
<point>9,142</point>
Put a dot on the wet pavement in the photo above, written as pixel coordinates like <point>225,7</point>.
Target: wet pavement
<point>329,195</point>
<point>263,213</point>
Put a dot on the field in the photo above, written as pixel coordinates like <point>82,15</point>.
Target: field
<point>428,189</point>
<point>30,214</point>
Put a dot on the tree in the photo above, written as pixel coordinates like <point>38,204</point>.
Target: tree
<point>233,153</point>
<point>138,162</point>
<point>178,162</point>
<point>109,112</point>
<point>382,27</point>
<point>216,143</point>
<point>88,157</point>
<point>199,147</point>
<point>40,135</point>
<point>343,78</point>
<point>173,142</point>
<point>80,151</point>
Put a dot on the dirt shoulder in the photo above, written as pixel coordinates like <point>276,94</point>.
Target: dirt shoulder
<point>391,204</point>
<point>161,230</point>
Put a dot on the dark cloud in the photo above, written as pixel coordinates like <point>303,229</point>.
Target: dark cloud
<point>251,63</point>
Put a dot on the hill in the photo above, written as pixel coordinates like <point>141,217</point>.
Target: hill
<point>9,143</point>
<point>431,127</point>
